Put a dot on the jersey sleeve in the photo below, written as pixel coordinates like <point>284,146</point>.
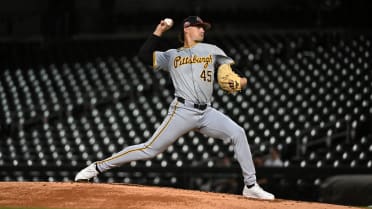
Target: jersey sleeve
<point>160,60</point>
<point>221,57</point>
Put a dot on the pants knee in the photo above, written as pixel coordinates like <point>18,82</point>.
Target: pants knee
<point>239,134</point>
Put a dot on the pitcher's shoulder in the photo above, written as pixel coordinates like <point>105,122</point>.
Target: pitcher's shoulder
<point>171,51</point>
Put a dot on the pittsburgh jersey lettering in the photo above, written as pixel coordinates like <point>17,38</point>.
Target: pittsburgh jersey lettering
<point>178,61</point>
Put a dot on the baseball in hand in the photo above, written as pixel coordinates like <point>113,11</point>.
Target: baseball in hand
<point>168,21</point>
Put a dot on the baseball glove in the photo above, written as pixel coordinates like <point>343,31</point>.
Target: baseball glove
<point>227,79</point>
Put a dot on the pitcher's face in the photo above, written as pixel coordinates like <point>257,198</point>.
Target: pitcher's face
<point>194,33</point>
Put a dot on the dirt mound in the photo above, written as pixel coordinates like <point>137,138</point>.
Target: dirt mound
<point>85,195</point>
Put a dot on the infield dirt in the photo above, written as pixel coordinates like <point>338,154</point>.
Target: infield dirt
<point>110,196</point>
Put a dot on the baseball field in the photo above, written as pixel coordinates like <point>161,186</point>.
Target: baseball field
<point>38,195</point>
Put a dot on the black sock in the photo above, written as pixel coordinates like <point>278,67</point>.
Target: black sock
<point>98,169</point>
<point>250,186</point>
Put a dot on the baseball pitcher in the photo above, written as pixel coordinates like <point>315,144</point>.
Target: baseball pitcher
<point>192,69</point>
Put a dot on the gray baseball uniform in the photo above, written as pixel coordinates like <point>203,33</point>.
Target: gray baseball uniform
<point>192,72</point>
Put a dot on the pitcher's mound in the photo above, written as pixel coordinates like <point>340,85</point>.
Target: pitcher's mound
<point>86,195</point>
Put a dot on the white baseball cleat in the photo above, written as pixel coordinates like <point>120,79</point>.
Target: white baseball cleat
<point>87,173</point>
<point>257,192</point>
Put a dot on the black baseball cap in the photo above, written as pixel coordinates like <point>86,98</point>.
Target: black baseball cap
<point>195,21</point>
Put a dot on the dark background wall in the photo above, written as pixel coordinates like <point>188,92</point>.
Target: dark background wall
<point>51,18</point>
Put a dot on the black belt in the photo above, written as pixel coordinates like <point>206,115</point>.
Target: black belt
<point>197,106</point>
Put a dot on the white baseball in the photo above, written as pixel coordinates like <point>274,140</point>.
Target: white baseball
<point>168,21</point>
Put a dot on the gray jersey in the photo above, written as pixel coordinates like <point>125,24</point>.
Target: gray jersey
<point>192,70</point>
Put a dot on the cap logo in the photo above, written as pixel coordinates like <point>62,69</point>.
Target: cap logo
<point>195,21</point>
